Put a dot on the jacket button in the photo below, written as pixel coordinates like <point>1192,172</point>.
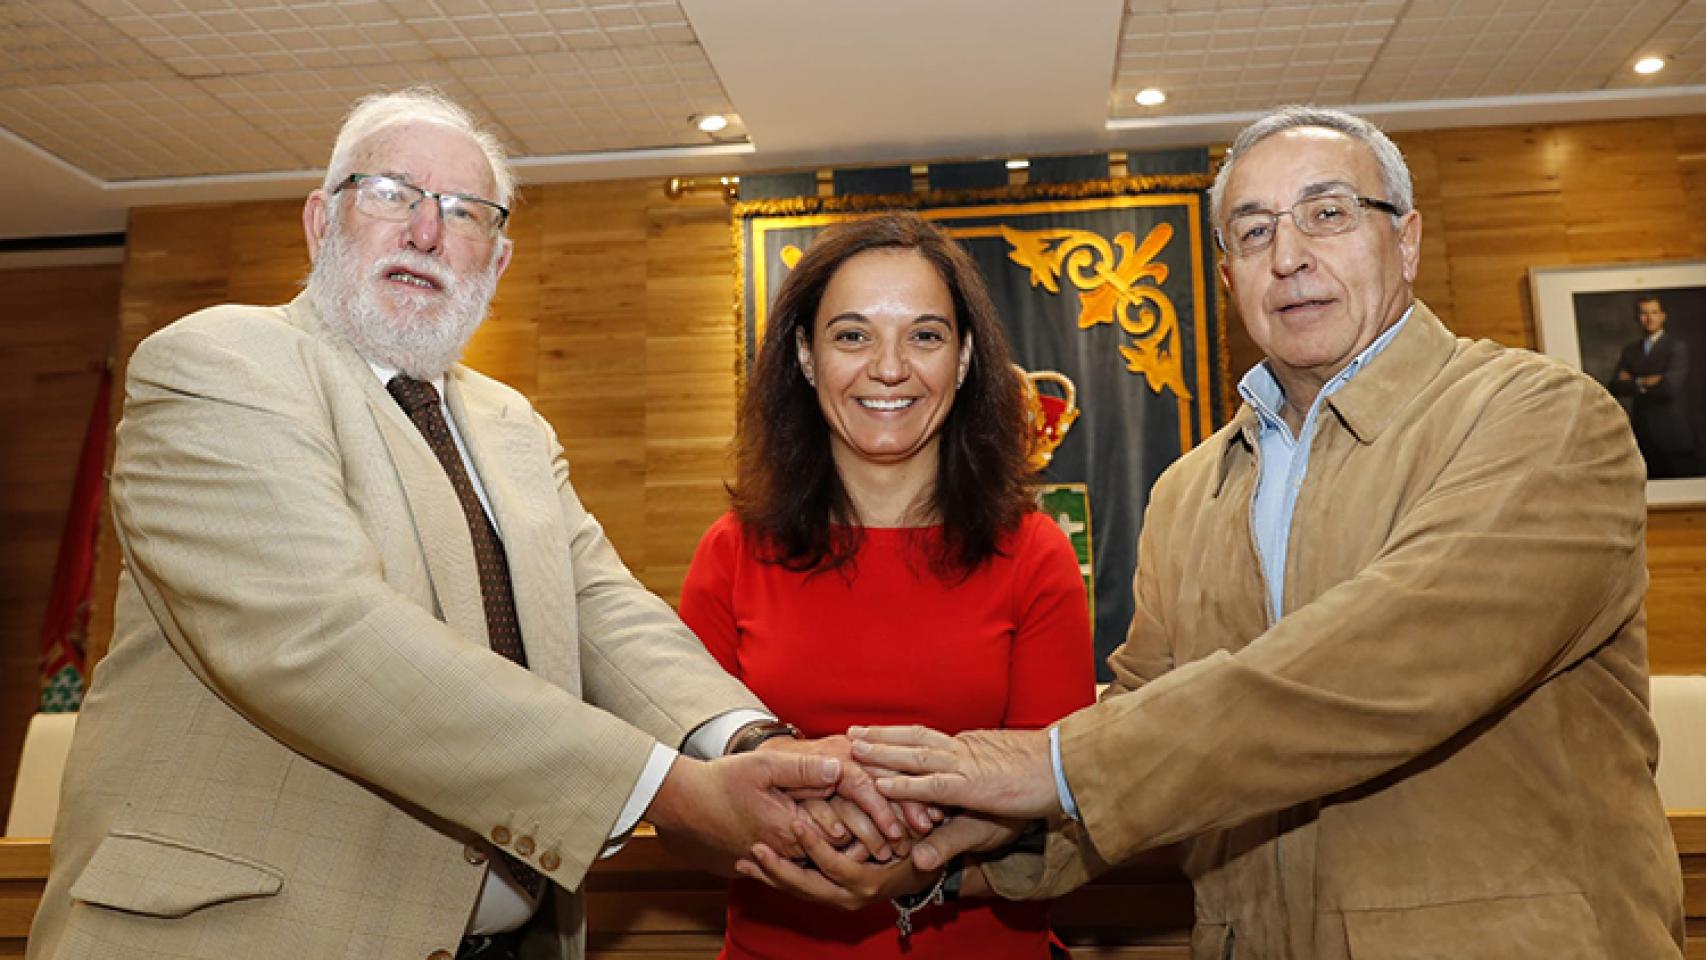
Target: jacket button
<point>524,846</point>
<point>500,836</point>
<point>549,861</point>
<point>439,955</point>
<point>474,853</point>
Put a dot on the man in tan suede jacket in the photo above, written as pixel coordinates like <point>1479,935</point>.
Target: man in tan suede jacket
<point>1387,679</point>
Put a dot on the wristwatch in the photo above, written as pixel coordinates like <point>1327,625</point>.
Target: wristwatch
<point>748,737</point>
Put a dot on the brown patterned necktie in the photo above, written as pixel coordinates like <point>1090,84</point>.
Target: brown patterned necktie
<point>419,400</point>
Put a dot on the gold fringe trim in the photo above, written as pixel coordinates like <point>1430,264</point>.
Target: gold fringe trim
<point>1223,314</point>
<point>1080,190</point>
<point>737,227</point>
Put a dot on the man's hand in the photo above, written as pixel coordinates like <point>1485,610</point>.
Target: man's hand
<point>1002,772</point>
<point>845,879</point>
<point>857,785</point>
<point>842,823</point>
<point>728,804</point>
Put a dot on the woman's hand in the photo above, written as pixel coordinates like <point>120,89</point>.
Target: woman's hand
<point>842,822</point>
<point>843,878</point>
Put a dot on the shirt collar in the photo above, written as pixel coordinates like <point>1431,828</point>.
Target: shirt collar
<point>385,375</point>
<point>1420,346</point>
<point>1261,389</point>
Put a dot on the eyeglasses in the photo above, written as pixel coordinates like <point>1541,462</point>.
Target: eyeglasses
<point>388,198</point>
<point>1327,215</point>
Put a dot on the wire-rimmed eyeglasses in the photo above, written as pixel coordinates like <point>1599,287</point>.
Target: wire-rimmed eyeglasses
<point>1327,215</point>
<point>388,198</point>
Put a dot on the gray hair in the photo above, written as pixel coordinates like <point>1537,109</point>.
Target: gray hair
<point>1394,173</point>
<point>377,111</point>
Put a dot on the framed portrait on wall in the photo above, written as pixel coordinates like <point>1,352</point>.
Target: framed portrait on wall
<point>1640,330</point>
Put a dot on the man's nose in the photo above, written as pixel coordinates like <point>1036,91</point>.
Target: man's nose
<point>1291,250</point>
<point>426,225</point>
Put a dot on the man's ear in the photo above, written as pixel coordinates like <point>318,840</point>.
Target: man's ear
<point>315,217</point>
<point>1410,244</point>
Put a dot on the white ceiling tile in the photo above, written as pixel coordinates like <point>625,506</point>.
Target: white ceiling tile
<point>294,65</point>
<point>613,16</point>
<point>673,33</point>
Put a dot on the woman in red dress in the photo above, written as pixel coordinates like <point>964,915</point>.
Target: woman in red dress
<point>884,563</point>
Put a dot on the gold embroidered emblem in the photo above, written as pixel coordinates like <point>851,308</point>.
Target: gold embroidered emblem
<point>1123,289</point>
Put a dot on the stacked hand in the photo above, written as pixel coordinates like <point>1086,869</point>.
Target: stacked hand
<point>1004,774</point>
<point>725,806</point>
<point>855,812</point>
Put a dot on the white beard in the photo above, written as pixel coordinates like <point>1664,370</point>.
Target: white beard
<point>424,333</point>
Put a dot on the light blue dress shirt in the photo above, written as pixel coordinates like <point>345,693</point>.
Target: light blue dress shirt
<point>1284,462</point>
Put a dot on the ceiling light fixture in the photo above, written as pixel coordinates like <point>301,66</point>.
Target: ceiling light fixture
<point>1649,65</point>
<point>709,122</point>
<point>1018,164</point>
<point>1150,97</point>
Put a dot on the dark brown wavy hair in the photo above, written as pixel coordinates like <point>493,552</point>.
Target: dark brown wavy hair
<point>788,493</point>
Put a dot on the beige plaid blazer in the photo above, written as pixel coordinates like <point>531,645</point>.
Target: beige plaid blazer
<point>300,745</point>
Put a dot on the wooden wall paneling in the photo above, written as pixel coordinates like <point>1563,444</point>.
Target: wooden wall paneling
<point>1676,594</point>
<point>691,362</point>
<point>1689,138</point>
<point>1622,192</point>
<point>592,343</point>
<point>268,261</point>
<point>60,328</point>
<point>1502,213</point>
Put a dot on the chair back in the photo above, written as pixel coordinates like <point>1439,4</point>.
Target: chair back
<point>35,795</point>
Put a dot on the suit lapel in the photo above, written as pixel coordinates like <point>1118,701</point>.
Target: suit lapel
<point>439,525</point>
<point>507,451</point>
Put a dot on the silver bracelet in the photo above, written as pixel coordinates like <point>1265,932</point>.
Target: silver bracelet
<point>912,903</point>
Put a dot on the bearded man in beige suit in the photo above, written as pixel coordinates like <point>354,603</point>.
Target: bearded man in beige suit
<point>1386,685</point>
<point>301,744</point>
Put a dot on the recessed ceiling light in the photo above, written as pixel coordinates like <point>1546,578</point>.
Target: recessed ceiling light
<point>1649,64</point>
<point>1150,97</point>
<point>710,122</point>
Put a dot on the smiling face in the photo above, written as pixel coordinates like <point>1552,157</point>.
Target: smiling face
<point>1313,303</point>
<point>886,357</point>
<point>407,294</point>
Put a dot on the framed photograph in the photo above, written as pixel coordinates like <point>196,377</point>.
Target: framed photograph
<point>1639,329</point>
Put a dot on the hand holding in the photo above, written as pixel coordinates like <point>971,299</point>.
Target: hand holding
<point>857,785</point>
<point>844,879</point>
<point>728,804</point>
<point>841,823</point>
<point>1001,772</point>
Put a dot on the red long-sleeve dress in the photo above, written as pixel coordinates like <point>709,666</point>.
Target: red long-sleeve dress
<point>885,641</point>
